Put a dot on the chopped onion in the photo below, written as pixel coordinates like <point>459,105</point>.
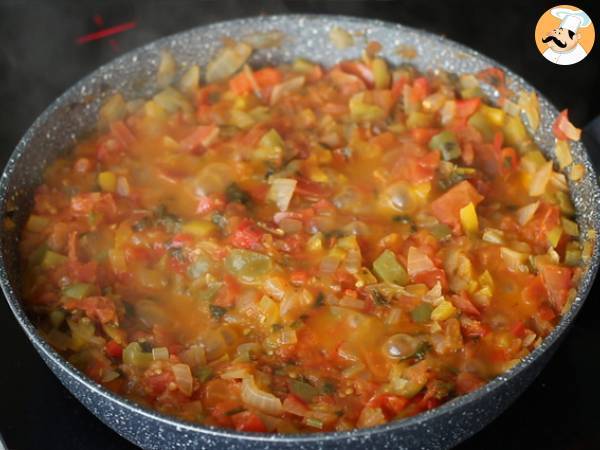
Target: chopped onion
<point>351,302</point>
<point>514,260</point>
<point>295,407</point>
<point>114,108</point>
<point>530,106</point>
<point>417,262</point>
<point>183,378</point>
<point>401,346</point>
<point>540,179</point>
<point>341,38</point>
<point>526,213</point>
<point>511,108</point>
<point>493,236</point>
<point>353,370</point>
<point>194,356</point>
<point>264,39</point>
<point>215,345</point>
<point>434,101</point>
<point>394,316</point>
<point>353,261</point>
<point>286,87</point>
<point>468,81</point>
<point>567,128</point>
<point>247,348</point>
<point>447,112</point>
<point>282,191</point>
<point>236,373</point>
<point>228,61</point>
<point>166,69</point>
<point>290,226</point>
<point>160,354</point>
<point>329,264</point>
<point>188,84</point>
<point>577,172</point>
<point>563,153</point>
<point>259,399</point>
<point>110,375</point>
<point>559,181</point>
<point>122,186</point>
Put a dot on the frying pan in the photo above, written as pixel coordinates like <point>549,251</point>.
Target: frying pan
<point>75,112</point>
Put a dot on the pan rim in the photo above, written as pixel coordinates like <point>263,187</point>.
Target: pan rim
<point>406,424</point>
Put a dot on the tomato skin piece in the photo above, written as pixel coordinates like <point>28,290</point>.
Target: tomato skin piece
<point>556,131</point>
<point>113,349</point>
<point>447,206</point>
<point>466,108</point>
<point>557,281</point>
<point>248,421</point>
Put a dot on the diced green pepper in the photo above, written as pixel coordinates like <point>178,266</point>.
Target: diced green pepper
<point>57,317</point>
<point>52,259</point>
<point>135,356</point>
<point>480,122</point>
<point>303,390</point>
<point>302,65</point>
<point>387,267</point>
<point>37,224</point>
<point>234,193</point>
<point>421,313</point>
<point>441,231</point>
<point>447,144</point>
<point>77,290</point>
<point>573,254</point>
<point>204,373</point>
<point>216,311</point>
<point>247,265</point>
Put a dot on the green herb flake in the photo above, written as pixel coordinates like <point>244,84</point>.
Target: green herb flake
<point>204,374</point>
<point>217,312</point>
<point>303,390</point>
<point>319,300</point>
<point>234,193</point>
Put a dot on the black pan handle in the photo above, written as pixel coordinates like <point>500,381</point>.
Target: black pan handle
<point>591,139</point>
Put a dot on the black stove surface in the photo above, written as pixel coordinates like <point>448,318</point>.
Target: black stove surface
<point>46,46</point>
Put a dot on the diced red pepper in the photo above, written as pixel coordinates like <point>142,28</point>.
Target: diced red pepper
<point>248,421</point>
<point>113,349</point>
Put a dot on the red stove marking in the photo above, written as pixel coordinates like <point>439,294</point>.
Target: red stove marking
<point>106,32</point>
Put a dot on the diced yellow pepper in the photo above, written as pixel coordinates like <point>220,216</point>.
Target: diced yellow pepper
<point>199,228</point>
<point>318,175</point>
<point>347,242</point>
<point>443,311</point>
<point>269,311</point>
<point>240,102</point>
<point>52,259</point>
<point>153,110</point>
<point>468,218</point>
<point>554,235</point>
<point>422,190</point>
<point>107,181</point>
<point>577,172</point>
<point>37,224</point>
<point>571,228</point>
<point>486,280</point>
<point>418,119</point>
<point>494,115</point>
<point>315,243</point>
<point>381,73</point>
<point>364,277</point>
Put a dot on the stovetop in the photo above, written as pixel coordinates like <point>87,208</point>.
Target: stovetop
<point>47,46</point>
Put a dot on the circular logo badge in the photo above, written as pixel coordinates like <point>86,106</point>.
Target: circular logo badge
<point>564,35</point>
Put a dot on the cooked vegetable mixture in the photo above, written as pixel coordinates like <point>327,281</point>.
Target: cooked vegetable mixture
<point>301,248</point>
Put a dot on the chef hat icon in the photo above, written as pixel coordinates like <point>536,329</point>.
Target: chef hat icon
<point>571,19</point>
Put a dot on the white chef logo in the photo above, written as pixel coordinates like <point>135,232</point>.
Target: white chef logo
<point>564,41</point>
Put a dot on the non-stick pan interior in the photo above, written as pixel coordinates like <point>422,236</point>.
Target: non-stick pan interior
<point>74,114</point>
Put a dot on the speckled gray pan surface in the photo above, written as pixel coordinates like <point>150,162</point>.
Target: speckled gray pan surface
<point>74,114</point>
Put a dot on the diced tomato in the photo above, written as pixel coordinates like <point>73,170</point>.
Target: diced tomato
<point>423,135</point>
<point>202,136</point>
<point>207,204</point>
<point>98,308</point>
<point>384,140</point>
<point>463,303</point>
<point>473,328</point>
<point>308,188</point>
<point>247,235</point>
<point>241,83</point>
<point>466,108</point>
<point>83,272</point>
<point>431,277</point>
<point>97,202</point>
<point>83,165</point>
<point>228,293</point>
<point>122,133</point>
<point>299,277</point>
<point>518,329</point>
<point>546,313</point>
<point>557,280</point>
<point>535,291</point>
<point>446,208</point>
<point>420,89</point>
<point>157,383</point>
<point>113,349</point>
<point>360,70</point>
<point>467,382</point>
<point>248,421</point>
<point>562,123</point>
<point>182,240</point>
<point>508,160</point>
<point>398,87</point>
<point>391,404</point>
